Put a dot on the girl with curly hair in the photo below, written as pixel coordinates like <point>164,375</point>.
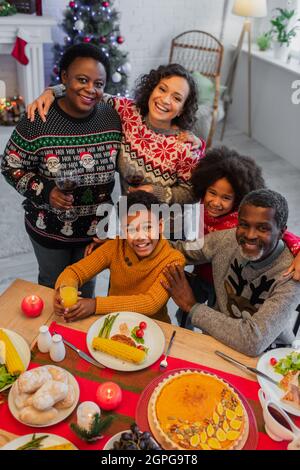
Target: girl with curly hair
<point>220,182</point>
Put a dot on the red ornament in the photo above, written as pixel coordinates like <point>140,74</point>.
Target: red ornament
<point>105,4</point>
<point>72,4</point>
<point>55,69</point>
<point>120,39</point>
<point>108,395</point>
<point>87,39</point>
<point>32,306</point>
<point>103,39</point>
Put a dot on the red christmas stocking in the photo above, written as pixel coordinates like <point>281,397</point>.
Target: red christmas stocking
<point>18,51</point>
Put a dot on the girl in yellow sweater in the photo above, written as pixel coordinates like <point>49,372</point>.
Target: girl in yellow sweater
<point>136,266</point>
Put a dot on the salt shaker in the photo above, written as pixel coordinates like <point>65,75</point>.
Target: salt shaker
<point>57,349</point>
<point>44,339</point>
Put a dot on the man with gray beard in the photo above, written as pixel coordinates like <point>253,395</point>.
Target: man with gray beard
<point>255,302</point>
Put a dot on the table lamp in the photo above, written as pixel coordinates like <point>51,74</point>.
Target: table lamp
<point>248,9</point>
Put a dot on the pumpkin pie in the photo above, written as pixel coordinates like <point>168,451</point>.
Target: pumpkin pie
<point>198,411</point>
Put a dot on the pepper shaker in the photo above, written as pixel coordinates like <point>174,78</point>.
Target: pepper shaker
<point>57,350</point>
<point>44,339</point>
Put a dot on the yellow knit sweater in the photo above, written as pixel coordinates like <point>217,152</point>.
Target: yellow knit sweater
<point>135,285</point>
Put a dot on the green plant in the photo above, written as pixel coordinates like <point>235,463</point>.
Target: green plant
<point>264,41</point>
<point>280,26</point>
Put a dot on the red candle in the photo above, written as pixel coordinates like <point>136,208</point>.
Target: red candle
<point>109,395</point>
<point>32,306</point>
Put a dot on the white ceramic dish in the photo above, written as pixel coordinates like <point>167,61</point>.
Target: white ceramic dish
<point>22,348</point>
<point>272,391</point>
<point>153,336</point>
<point>51,440</point>
<point>62,414</point>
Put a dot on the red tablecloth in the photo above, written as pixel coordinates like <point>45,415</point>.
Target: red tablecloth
<point>132,384</point>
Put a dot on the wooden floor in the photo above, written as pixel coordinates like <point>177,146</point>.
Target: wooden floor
<point>279,174</point>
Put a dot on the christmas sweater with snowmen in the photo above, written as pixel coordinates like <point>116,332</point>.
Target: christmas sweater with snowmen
<point>35,153</point>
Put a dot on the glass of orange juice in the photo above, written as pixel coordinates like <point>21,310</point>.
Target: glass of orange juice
<point>69,295</point>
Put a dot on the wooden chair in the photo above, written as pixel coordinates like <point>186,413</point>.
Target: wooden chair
<point>200,51</point>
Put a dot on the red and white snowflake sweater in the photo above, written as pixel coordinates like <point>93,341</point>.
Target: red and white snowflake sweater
<point>160,160</point>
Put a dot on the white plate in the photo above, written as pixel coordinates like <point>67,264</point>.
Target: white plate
<point>110,444</point>
<point>62,414</point>
<point>153,336</point>
<point>51,440</point>
<point>274,392</point>
<point>21,347</point>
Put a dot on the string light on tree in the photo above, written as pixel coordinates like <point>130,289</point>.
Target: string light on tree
<point>79,25</point>
<point>116,77</point>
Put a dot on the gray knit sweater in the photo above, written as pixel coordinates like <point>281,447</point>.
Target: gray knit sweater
<point>255,304</point>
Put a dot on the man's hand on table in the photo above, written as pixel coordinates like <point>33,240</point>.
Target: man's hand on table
<point>82,309</point>
<point>179,288</point>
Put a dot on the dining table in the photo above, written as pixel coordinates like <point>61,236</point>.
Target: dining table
<point>189,347</point>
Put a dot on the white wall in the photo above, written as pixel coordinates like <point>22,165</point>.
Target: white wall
<point>149,25</point>
<point>275,119</point>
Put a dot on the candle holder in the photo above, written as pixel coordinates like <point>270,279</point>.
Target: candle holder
<point>90,424</point>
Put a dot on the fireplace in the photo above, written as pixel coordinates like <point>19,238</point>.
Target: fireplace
<point>38,30</point>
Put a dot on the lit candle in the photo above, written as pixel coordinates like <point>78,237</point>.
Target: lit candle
<point>32,306</point>
<point>109,395</point>
<point>85,414</point>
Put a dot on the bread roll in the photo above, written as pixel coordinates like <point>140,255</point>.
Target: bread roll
<point>31,380</point>
<point>30,415</point>
<point>68,401</point>
<point>50,393</point>
<point>20,399</point>
<point>58,374</point>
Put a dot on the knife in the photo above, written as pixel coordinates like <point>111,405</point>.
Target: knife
<point>243,366</point>
<point>82,354</point>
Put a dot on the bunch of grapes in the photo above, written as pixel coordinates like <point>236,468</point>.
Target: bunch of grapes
<point>136,440</point>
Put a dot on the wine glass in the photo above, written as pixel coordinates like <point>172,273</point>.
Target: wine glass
<point>67,181</point>
<point>134,177</point>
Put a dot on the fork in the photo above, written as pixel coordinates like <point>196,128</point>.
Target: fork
<point>164,363</point>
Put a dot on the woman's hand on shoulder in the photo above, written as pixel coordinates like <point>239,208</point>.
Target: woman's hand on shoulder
<point>93,245</point>
<point>187,136</point>
<point>42,104</point>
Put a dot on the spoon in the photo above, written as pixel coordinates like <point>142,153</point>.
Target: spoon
<point>164,362</point>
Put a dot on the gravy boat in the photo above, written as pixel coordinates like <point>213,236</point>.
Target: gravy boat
<point>278,424</point>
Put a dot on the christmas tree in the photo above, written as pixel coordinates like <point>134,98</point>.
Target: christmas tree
<point>6,8</point>
<point>95,22</point>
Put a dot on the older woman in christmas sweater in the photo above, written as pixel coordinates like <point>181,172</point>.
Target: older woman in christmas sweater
<point>81,134</point>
